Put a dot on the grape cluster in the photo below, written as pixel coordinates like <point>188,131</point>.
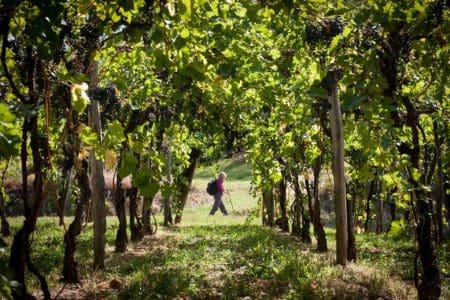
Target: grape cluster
<point>321,105</point>
<point>358,113</point>
<point>313,33</point>
<point>107,97</point>
<point>42,140</point>
<point>324,30</point>
<point>435,12</point>
<point>162,74</point>
<point>90,36</point>
<point>19,57</point>
<point>403,46</point>
<point>333,76</point>
<point>60,100</point>
<point>369,36</point>
<point>332,27</point>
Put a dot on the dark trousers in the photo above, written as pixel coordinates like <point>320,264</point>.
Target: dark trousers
<point>218,203</point>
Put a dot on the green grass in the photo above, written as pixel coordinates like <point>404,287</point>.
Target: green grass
<point>228,257</point>
<point>217,257</point>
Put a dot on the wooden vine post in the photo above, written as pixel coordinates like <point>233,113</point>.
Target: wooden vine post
<point>337,135</point>
<point>97,179</point>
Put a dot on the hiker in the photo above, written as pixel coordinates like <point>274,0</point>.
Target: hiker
<point>218,203</point>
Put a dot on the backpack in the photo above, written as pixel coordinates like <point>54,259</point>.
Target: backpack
<point>211,188</point>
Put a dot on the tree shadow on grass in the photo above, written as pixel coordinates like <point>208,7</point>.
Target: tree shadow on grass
<point>214,262</point>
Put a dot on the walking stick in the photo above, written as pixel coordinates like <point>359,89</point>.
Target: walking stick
<point>229,199</point>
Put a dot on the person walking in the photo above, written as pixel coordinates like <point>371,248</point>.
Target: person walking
<point>218,203</point>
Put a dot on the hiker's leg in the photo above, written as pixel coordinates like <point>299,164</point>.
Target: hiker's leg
<point>222,208</point>
<point>216,203</point>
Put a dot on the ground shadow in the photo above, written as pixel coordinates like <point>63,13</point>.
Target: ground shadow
<point>239,263</point>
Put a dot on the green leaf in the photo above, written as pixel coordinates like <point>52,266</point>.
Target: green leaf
<point>185,33</point>
<point>227,70</point>
<point>88,136</point>
<point>276,177</point>
<point>128,165</point>
<point>241,11</point>
<point>10,135</point>
<point>419,7</point>
<point>114,134</point>
<point>5,115</point>
<point>150,189</point>
<point>141,177</point>
<point>166,191</point>
<point>80,100</point>
<point>346,31</point>
<point>314,71</point>
<point>365,173</point>
<point>350,100</point>
<point>185,9</point>
<point>197,70</point>
<point>161,59</point>
<point>397,227</point>
<point>9,142</point>
<point>392,179</point>
<point>228,53</point>
<point>275,53</point>
<point>334,43</point>
<point>415,174</point>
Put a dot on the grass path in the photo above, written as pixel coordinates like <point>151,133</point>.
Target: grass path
<point>218,257</point>
<point>231,261</point>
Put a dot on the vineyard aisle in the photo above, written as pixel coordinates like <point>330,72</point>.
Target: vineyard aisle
<point>223,257</point>
<point>327,122</point>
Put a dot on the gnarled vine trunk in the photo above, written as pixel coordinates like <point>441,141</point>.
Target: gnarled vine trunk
<point>296,208</point>
<point>167,202</point>
<point>121,235</point>
<point>146,215</point>
<point>368,211</point>
<point>20,250</point>
<point>429,286</point>
<point>70,266</point>
<point>351,247</point>
<point>136,228</point>
<point>380,208</point>
<point>447,198</point>
<point>185,182</point>
<point>440,191</point>
<point>4,221</point>
<point>317,220</point>
<point>283,221</point>
<point>268,207</point>
<point>300,225</point>
<point>5,231</point>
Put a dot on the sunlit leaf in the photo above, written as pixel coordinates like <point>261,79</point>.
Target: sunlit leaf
<point>80,100</point>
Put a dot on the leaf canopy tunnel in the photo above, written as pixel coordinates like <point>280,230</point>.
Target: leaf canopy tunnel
<point>153,90</point>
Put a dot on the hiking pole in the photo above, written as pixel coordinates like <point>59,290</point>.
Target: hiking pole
<point>229,199</point>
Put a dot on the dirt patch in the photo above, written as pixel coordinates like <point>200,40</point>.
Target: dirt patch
<point>197,198</point>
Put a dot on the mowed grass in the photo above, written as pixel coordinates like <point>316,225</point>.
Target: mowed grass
<point>224,257</point>
<point>221,259</point>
